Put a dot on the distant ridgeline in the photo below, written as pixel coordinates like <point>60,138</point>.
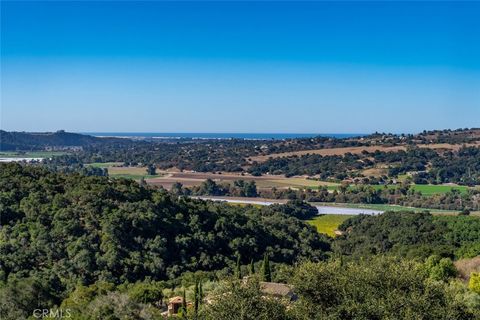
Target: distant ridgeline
<point>29,141</point>
<point>430,157</point>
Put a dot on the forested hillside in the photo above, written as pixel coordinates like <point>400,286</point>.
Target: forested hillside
<point>410,235</point>
<point>115,249</point>
<point>26,141</point>
<point>74,229</point>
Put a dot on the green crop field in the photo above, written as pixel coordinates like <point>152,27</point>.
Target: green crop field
<point>104,164</point>
<point>135,173</point>
<point>328,223</point>
<point>115,170</point>
<point>425,189</point>
<point>435,189</point>
<point>429,189</point>
<point>31,154</point>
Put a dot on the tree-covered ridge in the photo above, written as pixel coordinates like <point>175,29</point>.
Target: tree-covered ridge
<point>426,166</point>
<point>411,235</point>
<point>231,155</point>
<point>73,229</point>
<point>238,155</point>
<point>39,141</point>
<point>422,164</point>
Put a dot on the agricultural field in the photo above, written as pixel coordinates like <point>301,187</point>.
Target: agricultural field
<point>425,189</point>
<point>293,182</point>
<point>116,170</point>
<point>328,223</point>
<point>430,189</point>
<point>135,173</point>
<point>31,154</point>
<point>264,182</point>
<point>105,164</point>
<point>435,189</point>
<point>188,179</point>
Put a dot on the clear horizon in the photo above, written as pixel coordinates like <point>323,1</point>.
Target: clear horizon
<point>145,133</point>
<point>230,67</point>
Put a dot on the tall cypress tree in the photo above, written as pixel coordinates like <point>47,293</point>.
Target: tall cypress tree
<point>252,267</point>
<point>200,293</point>
<point>196,298</point>
<point>266,273</point>
<point>238,269</point>
<point>184,304</point>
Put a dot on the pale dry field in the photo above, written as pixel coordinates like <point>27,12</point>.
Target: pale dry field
<point>375,172</point>
<point>466,266</point>
<point>189,179</point>
<point>127,170</point>
<point>266,181</point>
<point>328,152</point>
<point>357,150</point>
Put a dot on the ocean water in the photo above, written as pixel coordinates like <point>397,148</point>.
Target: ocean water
<point>193,135</point>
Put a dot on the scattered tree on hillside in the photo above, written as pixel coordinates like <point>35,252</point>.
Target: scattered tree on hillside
<point>151,170</point>
<point>266,272</point>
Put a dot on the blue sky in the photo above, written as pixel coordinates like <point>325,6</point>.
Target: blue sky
<point>324,67</point>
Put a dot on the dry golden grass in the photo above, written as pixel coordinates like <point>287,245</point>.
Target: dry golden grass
<point>446,146</point>
<point>196,178</point>
<point>327,152</point>
<point>358,150</point>
<point>375,172</point>
<point>295,182</point>
<point>127,170</point>
<point>466,266</point>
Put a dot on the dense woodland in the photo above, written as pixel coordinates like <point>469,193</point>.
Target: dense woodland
<point>413,235</point>
<point>112,249</point>
<point>71,229</point>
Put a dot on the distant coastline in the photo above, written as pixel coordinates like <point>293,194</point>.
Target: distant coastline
<point>193,135</point>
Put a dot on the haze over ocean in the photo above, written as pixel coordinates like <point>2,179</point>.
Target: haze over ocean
<point>240,67</point>
<point>212,135</point>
